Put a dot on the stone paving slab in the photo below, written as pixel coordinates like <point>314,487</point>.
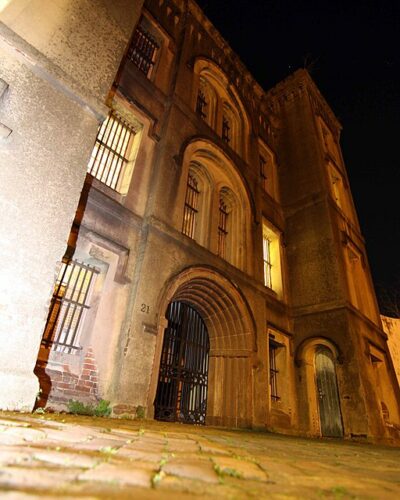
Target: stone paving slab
<point>68,457</point>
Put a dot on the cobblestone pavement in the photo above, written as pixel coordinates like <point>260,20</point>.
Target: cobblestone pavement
<point>68,457</point>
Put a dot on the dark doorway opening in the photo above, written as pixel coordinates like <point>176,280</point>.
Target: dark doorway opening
<point>182,383</point>
<point>328,394</point>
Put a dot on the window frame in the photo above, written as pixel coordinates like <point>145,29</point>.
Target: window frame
<point>67,298</point>
<point>144,57</point>
<point>191,206</point>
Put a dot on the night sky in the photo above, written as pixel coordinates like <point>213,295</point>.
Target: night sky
<point>352,50</point>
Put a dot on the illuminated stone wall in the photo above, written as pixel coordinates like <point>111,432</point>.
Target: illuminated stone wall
<point>58,62</point>
<point>391,327</point>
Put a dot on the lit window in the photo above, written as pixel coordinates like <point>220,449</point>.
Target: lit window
<point>68,306</point>
<point>273,371</point>
<point>191,207</point>
<point>267,260</point>
<point>143,50</point>
<point>272,258</point>
<point>110,154</point>
<point>222,228</point>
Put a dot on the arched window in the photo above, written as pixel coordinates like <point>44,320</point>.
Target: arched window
<point>215,209</point>
<point>217,102</point>
<point>223,216</point>
<point>191,206</point>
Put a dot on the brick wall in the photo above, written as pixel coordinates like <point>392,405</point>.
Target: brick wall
<point>59,385</point>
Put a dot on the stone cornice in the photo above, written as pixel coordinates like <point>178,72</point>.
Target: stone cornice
<point>294,86</point>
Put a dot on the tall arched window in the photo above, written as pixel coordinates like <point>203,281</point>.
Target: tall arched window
<point>215,209</point>
<point>223,216</point>
<point>191,206</point>
<point>206,102</point>
<point>217,102</point>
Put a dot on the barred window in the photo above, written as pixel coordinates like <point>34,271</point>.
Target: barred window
<point>263,173</point>
<point>273,371</point>
<point>267,261</point>
<point>191,207</point>
<point>201,105</point>
<point>222,228</point>
<point>143,50</point>
<point>226,130</point>
<point>68,306</point>
<point>111,150</point>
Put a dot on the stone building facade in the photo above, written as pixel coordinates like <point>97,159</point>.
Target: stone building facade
<point>215,271</point>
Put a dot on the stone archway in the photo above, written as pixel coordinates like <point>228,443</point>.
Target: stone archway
<point>316,360</point>
<point>232,342</point>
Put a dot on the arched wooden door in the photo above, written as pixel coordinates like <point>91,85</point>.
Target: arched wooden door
<point>182,382</point>
<point>328,395</point>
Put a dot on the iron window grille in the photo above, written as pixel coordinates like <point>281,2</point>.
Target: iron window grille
<point>263,172</point>
<point>111,150</point>
<point>222,228</point>
<point>68,306</point>
<point>142,51</point>
<point>201,105</point>
<point>226,130</point>
<point>191,207</point>
<point>267,261</point>
<point>273,371</point>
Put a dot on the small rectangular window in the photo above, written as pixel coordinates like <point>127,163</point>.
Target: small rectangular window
<point>222,228</point>
<point>226,130</point>
<point>68,306</point>
<point>263,173</point>
<point>201,105</point>
<point>273,371</point>
<point>142,51</point>
<point>267,261</point>
<point>191,207</point>
<point>111,150</point>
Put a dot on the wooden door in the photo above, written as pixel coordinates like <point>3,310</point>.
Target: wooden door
<point>327,393</point>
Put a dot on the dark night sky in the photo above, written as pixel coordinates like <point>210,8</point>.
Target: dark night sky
<point>355,49</point>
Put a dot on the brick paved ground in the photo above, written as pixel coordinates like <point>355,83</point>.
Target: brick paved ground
<point>67,457</point>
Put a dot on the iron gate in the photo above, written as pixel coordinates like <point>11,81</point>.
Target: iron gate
<point>182,383</point>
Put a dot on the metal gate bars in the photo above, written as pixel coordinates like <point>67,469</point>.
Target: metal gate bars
<point>182,383</point>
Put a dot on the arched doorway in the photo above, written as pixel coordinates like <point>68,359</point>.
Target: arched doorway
<point>181,394</point>
<point>327,393</point>
<point>231,334</point>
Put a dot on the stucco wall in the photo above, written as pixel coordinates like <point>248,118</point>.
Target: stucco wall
<point>58,61</point>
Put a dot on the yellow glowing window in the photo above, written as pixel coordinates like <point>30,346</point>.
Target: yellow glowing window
<point>191,207</point>
<point>110,154</point>
<point>272,258</point>
<point>267,261</point>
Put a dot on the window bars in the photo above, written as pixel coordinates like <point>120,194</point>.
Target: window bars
<point>222,228</point>
<point>226,130</point>
<point>111,150</point>
<point>201,105</point>
<point>68,306</point>
<point>273,372</point>
<point>191,207</point>
<point>142,51</point>
<point>267,261</point>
